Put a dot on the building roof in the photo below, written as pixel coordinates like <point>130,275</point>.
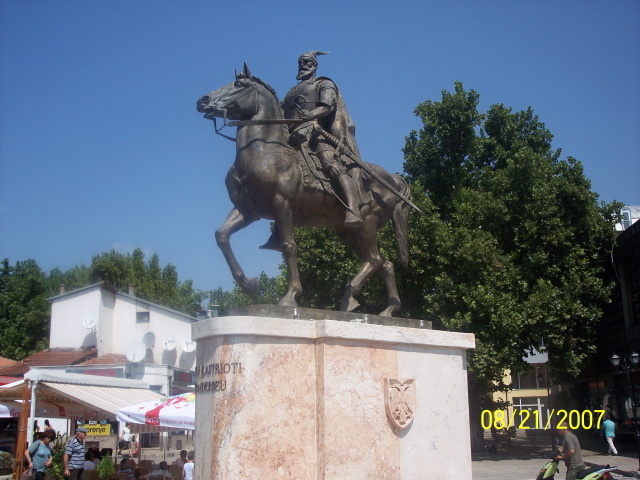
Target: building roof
<point>109,288</point>
<point>50,357</point>
<point>6,361</point>
<point>108,359</point>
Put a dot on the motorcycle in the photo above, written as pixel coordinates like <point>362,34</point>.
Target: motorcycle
<point>598,472</point>
<point>550,468</point>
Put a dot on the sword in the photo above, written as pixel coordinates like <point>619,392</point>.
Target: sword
<point>277,121</point>
<point>343,149</point>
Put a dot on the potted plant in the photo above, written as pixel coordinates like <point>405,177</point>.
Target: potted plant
<point>57,446</point>
<point>6,463</point>
<point>105,469</point>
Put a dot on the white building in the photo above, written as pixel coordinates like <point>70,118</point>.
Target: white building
<point>630,214</point>
<point>134,338</point>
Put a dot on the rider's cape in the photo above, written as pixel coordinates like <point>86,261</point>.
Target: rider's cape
<point>341,125</point>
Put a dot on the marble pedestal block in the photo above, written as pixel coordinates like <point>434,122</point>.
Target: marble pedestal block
<point>305,399</point>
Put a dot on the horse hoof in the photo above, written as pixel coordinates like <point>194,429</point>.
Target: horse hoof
<point>349,304</point>
<point>253,288</point>
<point>352,222</point>
<point>286,302</point>
<point>388,312</point>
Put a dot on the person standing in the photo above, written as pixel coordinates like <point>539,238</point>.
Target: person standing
<point>187,470</point>
<point>182,459</point>
<point>571,452</point>
<point>36,431</point>
<point>38,455</point>
<point>74,455</point>
<point>125,439</point>
<point>609,430</point>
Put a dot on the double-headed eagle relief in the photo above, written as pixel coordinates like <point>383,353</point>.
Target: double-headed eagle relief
<point>297,163</point>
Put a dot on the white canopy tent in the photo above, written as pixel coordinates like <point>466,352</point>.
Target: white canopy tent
<point>75,396</point>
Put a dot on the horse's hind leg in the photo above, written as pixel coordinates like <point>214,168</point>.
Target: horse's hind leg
<point>393,298</point>
<point>363,244</point>
<point>236,221</point>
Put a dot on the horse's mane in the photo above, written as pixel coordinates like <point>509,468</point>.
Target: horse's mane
<point>269,89</point>
<point>273,92</point>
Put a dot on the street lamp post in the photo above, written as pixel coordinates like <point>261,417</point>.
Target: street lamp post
<point>545,378</point>
<point>626,365</point>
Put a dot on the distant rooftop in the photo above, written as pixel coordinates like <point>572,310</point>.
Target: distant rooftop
<point>50,357</point>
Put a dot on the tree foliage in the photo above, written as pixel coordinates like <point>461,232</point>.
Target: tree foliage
<point>151,281</point>
<point>525,237</point>
<point>271,290</point>
<point>24,311</point>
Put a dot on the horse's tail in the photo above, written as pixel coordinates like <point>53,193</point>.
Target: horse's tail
<point>400,219</point>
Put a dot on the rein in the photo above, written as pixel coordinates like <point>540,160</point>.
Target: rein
<point>223,109</point>
<point>243,123</point>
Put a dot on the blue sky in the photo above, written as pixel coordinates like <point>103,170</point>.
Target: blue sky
<point>101,146</point>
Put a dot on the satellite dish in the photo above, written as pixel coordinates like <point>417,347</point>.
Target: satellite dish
<point>136,352</point>
<point>188,346</point>
<point>89,321</point>
<point>149,340</point>
<point>169,344</point>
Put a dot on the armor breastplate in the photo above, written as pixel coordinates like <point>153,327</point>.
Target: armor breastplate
<point>301,97</point>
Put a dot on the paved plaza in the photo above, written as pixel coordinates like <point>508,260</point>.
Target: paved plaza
<point>522,460</point>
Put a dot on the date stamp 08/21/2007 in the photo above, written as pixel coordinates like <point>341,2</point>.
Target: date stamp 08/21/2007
<point>521,419</point>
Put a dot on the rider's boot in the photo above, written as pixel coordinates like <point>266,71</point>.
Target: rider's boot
<point>274,242</point>
<point>348,186</point>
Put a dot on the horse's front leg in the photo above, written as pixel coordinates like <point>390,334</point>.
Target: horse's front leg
<point>284,224</point>
<point>236,221</point>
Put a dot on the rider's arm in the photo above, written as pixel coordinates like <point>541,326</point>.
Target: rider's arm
<point>567,454</point>
<point>319,112</point>
<point>326,102</point>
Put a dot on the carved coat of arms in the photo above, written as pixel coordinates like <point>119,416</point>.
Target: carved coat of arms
<point>400,401</point>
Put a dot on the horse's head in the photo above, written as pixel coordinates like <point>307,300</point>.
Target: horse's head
<point>237,100</point>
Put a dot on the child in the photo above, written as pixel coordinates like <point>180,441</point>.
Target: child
<point>187,471</point>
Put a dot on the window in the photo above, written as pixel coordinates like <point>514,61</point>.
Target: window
<point>142,314</point>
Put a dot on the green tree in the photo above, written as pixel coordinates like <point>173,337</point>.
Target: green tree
<point>72,279</point>
<point>24,311</point>
<point>152,282</point>
<point>57,446</point>
<point>523,242</point>
<point>271,289</point>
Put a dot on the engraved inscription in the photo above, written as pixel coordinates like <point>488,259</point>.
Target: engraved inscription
<point>215,370</point>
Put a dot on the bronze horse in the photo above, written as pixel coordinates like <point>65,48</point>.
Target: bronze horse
<point>266,181</point>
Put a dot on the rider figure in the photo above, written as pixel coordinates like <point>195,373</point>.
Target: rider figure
<point>317,101</point>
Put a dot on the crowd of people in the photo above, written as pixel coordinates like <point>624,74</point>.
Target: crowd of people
<point>129,467</point>
<point>77,459</point>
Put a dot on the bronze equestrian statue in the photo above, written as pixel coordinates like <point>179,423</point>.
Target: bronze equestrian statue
<point>289,175</point>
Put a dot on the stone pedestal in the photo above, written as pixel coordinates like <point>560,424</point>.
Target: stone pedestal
<point>332,400</point>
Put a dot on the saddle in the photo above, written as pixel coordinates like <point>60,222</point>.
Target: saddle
<point>315,179</point>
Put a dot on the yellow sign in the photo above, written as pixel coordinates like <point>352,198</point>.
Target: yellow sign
<point>98,429</point>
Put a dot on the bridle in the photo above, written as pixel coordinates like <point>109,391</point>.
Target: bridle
<point>223,110</point>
